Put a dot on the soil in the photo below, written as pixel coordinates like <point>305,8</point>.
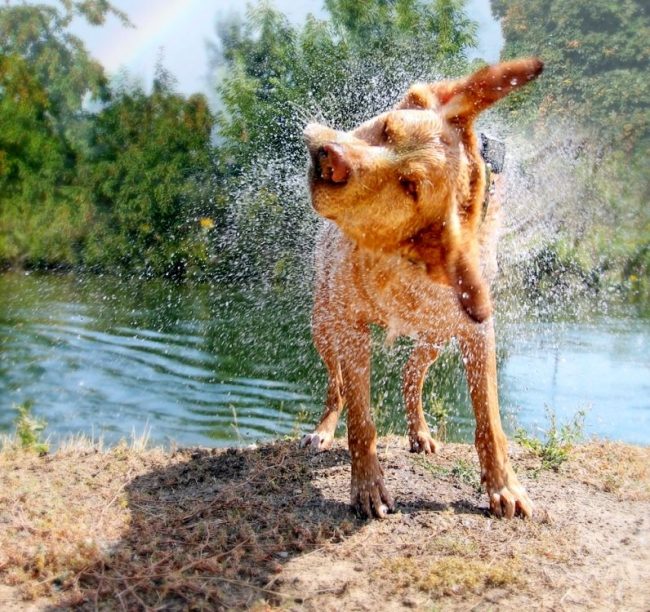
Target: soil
<point>269,527</point>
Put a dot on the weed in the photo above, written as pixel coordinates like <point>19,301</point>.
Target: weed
<point>438,471</point>
<point>454,575</point>
<point>559,440</point>
<point>439,414</point>
<point>29,429</point>
<point>462,470</point>
<point>300,420</point>
<point>467,473</point>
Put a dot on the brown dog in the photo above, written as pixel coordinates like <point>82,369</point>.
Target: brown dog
<point>409,250</point>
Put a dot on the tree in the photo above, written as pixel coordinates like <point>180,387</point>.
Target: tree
<point>597,58</point>
<point>595,89</point>
<point>351,66</point>
<point>148,171</point>
<point>122,188</point>
<point>45,73</point>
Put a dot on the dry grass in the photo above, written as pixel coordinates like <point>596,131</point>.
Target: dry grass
<point>133,528</point>
<point>452,575</point>
<point>614,468</point>
<point>454,564</point>
<point>136,528</point>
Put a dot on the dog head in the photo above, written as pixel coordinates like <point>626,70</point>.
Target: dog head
<point>412,178</point>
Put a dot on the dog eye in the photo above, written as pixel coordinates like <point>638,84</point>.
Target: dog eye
<point>386,134</point>
<point>410,186</point>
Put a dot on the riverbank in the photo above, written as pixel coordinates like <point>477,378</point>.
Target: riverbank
<point>269,527</point>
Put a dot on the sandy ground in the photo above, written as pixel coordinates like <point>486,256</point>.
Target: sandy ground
<point>270,527</point>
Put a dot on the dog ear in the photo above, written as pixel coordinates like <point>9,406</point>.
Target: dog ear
<point>460,260</point>
<point>420,96</point>
<point>471,289</point>
<point>467,97</point>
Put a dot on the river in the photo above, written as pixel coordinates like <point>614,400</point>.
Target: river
<point>200,365</point>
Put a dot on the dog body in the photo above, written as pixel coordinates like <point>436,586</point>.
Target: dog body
<point>411,249</point>
<point>386,289</point>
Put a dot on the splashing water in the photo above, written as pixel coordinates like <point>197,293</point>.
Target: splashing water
<point>206,365</point>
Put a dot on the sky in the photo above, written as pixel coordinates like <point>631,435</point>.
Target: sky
<point>179,29</point>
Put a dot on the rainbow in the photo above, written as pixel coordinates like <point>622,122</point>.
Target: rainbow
<point>125,47</point>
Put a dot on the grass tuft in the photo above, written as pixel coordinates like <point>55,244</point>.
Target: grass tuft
<point>454,574</point>
<point>462,471</point>
<point>558,441</point>
<point>29,432</point>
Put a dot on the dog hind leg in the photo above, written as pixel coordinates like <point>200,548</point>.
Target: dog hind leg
<point>414,374</point>
<point>324,332</point>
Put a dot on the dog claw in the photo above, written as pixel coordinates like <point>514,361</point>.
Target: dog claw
<point>373,502</point>
<point>317,442</point>
<point>510,500</point>
<point>370,498</point>
<point>423,442</point>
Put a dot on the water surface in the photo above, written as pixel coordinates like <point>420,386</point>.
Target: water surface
<point>203,365</point>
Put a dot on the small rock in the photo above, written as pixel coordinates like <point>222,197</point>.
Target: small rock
<point>496,595</point>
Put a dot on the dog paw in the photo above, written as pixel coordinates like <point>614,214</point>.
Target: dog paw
<point>507,497</point>
<point>423,442</point>
<point>369,496</point>
<point>317,441</point>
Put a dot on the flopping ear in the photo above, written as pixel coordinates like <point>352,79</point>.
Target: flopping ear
<point>460,259</point>
<point>470,286</point>
<point>467,97</point>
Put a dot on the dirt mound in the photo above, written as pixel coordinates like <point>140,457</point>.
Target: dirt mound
<point>270,526</point>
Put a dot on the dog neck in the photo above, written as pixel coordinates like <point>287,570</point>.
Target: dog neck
<point>432,246</point>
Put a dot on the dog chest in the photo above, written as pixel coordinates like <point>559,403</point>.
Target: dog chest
<point>404,300</point>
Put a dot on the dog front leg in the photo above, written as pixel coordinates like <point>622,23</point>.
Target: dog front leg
<point>507,496</point>
<point>368,492</point>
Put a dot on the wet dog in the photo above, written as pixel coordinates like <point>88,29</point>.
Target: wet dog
<point>410,248</point>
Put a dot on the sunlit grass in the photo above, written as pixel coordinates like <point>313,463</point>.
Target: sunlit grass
<point>558,440</point>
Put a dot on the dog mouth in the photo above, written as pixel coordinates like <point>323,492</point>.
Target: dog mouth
<point>329,165</point>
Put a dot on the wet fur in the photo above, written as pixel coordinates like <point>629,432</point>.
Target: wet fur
<point>409,250</point>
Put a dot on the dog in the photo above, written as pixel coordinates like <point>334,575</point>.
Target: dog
<point>410,247</point>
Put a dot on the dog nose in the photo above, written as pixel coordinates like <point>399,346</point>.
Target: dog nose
<point>332,163</point>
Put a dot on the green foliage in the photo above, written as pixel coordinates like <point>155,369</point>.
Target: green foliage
<point>45,73</point>
<point>467,473</point>
<point>461,471</point>
<point>57,60</point>
<point>147,170</point>
<point>29,430</point>
<point>279,74</point>
<point>559,440</point>
<point>139,186</point>
<point>597,58</point>
<point>596,91</point>
<point>439,413</point>
<point>124,188</point>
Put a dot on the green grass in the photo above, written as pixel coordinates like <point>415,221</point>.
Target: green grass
<point>462,471</point>
<point>29,430</point>
<point>558,440</point>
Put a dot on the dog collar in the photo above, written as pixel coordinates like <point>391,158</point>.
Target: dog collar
<point>493,152</point>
